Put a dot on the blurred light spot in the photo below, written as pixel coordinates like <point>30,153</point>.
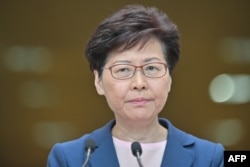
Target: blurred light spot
<point>38,94</point>
<point>228,132</point>
<point>28,59</point>
<point>235,50</point>
<point>227,88</point>
<point>46,134</point>
<point>221,88</point>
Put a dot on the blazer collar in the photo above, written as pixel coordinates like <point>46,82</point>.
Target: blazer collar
<point>176,152</point>
<point>105,154</point>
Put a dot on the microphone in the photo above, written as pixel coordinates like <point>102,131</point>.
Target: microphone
<point>89,148</point>
<point>137,151</point>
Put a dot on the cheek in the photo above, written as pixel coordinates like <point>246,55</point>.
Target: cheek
<point>162,95</point>
<point>115,92</point>
<point>161,100</point>
<point>115,97</point>
<point>161,91</point>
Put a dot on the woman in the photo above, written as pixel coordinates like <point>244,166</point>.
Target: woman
<point>132,55</point>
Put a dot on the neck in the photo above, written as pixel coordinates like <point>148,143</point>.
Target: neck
<point>141,131</point>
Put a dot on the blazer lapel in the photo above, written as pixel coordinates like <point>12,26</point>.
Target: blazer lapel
<point>176,152</point>
<point>105,154</point>
<point>176,155</point>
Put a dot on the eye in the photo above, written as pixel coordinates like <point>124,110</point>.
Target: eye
<point>122,69</point>
<point>152,68</point>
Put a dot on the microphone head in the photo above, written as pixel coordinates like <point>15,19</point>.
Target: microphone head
<point>90,144</point>
<point>136,148</point>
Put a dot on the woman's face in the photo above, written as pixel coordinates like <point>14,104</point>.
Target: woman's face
<point>140,97</point>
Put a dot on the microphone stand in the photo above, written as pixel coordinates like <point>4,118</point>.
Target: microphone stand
<point>137,151</point>
<point>138,157</point>
<point>89,148</point>
<point>87,158</point>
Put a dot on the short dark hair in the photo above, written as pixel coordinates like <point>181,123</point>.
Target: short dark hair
<point>129,26</point>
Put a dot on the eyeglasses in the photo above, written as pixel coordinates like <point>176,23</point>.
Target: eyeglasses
<point>126,71</point>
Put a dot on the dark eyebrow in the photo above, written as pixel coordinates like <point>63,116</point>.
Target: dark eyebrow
<point>151,59</point>
<point>122,61</point>
<point>144,61</point>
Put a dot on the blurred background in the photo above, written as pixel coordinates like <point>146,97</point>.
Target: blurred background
<point>47,90</point>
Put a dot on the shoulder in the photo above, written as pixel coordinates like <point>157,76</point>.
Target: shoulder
<point>72,153</point>
<point>186,139</point>
<point>208,150</point>
<point>62,154</point>
<point>204,151</point>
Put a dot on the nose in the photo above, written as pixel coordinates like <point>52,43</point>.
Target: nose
<point>139,81</point>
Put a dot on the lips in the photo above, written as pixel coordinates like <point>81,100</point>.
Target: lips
<point>139,101</point>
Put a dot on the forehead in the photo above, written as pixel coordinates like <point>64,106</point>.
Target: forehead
<point>152,49</point>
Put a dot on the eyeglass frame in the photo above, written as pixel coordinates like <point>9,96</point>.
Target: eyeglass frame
<point>166,67</point>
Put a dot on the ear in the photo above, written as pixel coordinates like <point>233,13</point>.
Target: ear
<point>169,84</point>
<point>98,83</point>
